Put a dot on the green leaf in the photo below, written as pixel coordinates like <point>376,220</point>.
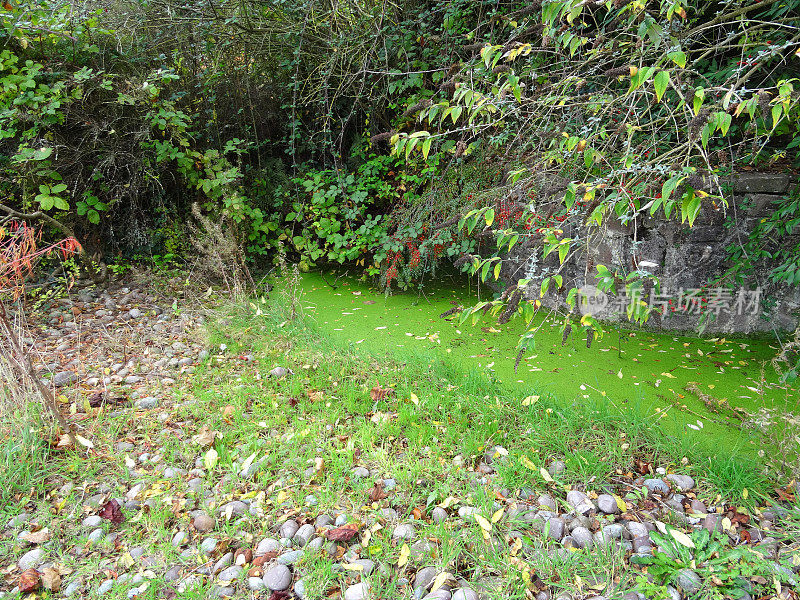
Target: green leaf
<point>94,217</point>
<point>777,111</point>
<point>455,113</point>
<point>562,251</point>
<point>724,122</point>
<point>58,188</point>
<point>678,57</point>
<point>670,185</point>
<point>497,268</point>
<point>661,82</point>
<point>426,147</point>
<point>60,203</point>
<point>489,216</point>
<point>45,201</point>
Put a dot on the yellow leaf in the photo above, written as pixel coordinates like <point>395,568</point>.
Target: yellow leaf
<point>405,552</point>
<point>745,493</point>
<point>210,459</point>
<point>485,525</point>
<point>530,400</point>
<point>83,441</point>
<point>621,503</point>
<point>440,580</point>
<point>545,475</point>
<point>526,462</point>
<point>516,547</point>
<point>448,502</point>
<point>414,399</point>
<point>498,515</point>
<point>353,567</point>
<point>681,538</point>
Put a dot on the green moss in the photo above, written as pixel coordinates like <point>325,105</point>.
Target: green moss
<point>654,374</point>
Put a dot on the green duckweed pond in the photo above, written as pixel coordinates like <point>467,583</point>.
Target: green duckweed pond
<point>704,388</point>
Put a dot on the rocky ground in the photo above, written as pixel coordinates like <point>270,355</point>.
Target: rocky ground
<point>161,507</point>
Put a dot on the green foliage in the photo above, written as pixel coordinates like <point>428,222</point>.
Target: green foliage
<point>724,571</point>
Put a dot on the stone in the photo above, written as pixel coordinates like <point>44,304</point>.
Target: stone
<point>557,467</point>
<point>180,538</point>
<point>173,574</point>
<point>688,581</point>
<point>608,504</point>
<point>466,511</point>
<point>439,515</point>
<point>423,549</point>
<point>146,403</point>
<point>580,502</point>
<point>315,545</point>
<point>684,483</point>
<point>31,559</point>
<point>465,593</point>
<point>424,578</point>
<point>134,313</point>
<point>267,545</point>
<point>204,523</point>
<point>289,558</point>
<point>359,591</point>
<point>231,573</point>
<point>656,486</point>
<point>546,501</point>
<point>72,587</point>
<point>360,472</point>
<point>556,528</point>
<point>303,535</point>
<point>582,537</point>
<point>278,578</point>
<point>404,531</point>
<point>222,591</point>
<point>300,589</point>
<point>208,545</point>
<point>280,372</point>
<point>63,378</point>
<point>224,562</point>
<point>493,454</point>
<point>255,584</point>
<point>92,521</point>
<point>367,566</point>
<point>289,528</point>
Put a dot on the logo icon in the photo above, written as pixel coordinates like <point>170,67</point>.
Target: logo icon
<point>591,301</point>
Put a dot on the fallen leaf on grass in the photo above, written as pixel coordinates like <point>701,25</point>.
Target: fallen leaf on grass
<point>276,595</point>
<point>405,552</point>
<point>342,534</point>
<point>111,511</point>
<point>29,581</point>
<point>36,537</point>
<point>204,438</point>
<point>377,493</point>
<point>380,393</point>
<point>51,579</point>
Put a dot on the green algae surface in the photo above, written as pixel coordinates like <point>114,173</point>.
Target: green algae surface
<point>699,388</point>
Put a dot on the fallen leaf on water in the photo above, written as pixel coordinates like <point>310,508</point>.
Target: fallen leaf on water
<point>111,511</point>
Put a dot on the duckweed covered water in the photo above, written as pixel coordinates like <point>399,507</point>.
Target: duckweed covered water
<point>691,386</point>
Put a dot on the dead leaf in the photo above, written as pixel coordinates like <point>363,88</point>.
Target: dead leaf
<point>204,438</point>
<point>377,493</point>
<point>51,579</point>
<point>380,393</point>
<point>37,537</point>
<point>342,534</point>
<point>417,512</point>
<point>29,581</point>
<point>111,511</point>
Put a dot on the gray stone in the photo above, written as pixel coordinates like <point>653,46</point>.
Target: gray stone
<point>424,578</point>
<point>255,584</point>
<point>146,403</point>
<point>278,578</point>
<point>404,531</point>
<point>63,378</point>
<point>684,483</point>
<point>31,559</point>
<point>222,591</point>
<point>359,591</point>
<point>267,545</point>
<point>315,544</point>
<point>224,562</point>
<point>556,528</point>
<point>105,587</point>
<point>72,587</point>
<point>289,528</point>
<point>580,502</point>
<point>439,515</point>
<point>557,467</point>
<point>465,593</point>
<point>423,549</point>
<point>289,558</point>
<point>134,313</point>
<point>493,454</point>
<point>360,472</point>
<point>323,520</point>
<point>582,537</point>
<point>546,501</point>
<point>613,531</point>
<point>688,581</point>
<point>92,521</point>
<point>608,504</point>
<point>656,486</point>
<point>173,574</point>
<point>303,535</point>
<point>280,372</point>
<point>208,545</point>
<point>180,538</point>
<point>231,573</point>
<point>300,589</point>
<point>367,566</point>
<point>466,511</point>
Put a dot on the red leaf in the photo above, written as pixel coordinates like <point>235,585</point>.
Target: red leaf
<point>342,534</point>
<point>112,512</point>
<point>29,581</point>
<point>377,493</point>
<point>276,595</point>
<point>380,393</point>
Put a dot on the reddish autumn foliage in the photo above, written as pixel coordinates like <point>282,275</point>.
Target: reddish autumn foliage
<point>111,511</point>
